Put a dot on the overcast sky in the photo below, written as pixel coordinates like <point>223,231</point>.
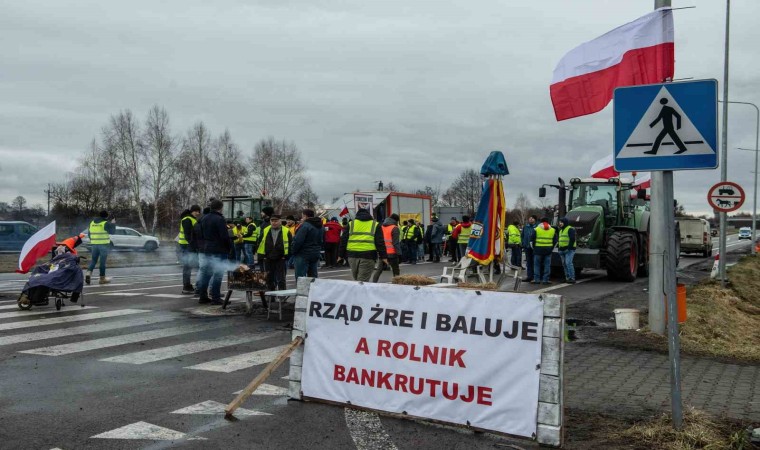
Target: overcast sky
<point>406,91</point>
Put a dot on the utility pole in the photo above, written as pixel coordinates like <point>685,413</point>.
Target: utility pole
<point>48,199</point>
<point>724,152</point>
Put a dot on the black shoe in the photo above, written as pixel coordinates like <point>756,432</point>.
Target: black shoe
<point>527,280</point>
<point>188,291</point>
<point>217,301</point>
<point>570,281</point>
<point>204,300</point>
<point>546,282</point>
<point>535,282</point>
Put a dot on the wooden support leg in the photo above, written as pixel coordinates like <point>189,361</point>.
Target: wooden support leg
<point>261,377</point>
<point>227,299</point>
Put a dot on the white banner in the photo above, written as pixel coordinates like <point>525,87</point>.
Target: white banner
<point>446,354</point>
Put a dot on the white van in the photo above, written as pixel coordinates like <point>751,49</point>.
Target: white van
<point>695,236</point>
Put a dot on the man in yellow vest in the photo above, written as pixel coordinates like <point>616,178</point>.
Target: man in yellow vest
<point>249,240</point>
<point>274,246</point>
<point>462,235</point>
<point>362,245</point>
<point>188,249</point>
<point>411,236</point>
<point>100,230</point>
<point>566,244</point>
<point>514,244</point>
<point>544,240</point>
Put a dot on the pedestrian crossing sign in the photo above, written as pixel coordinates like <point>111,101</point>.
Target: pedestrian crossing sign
<point>668,126</point>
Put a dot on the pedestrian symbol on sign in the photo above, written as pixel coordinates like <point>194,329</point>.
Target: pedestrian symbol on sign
<point>666,117</point>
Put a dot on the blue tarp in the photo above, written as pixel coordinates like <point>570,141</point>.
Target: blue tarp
<point>495,165</point>
<point>67,275</point>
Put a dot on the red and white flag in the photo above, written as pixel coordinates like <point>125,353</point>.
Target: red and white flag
<point>37,246</point>
<point>344,211</point>
<point>604,168</point>
<point>639,52</point>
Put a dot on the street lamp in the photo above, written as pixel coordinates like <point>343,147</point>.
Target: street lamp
<point>754,199</point>
<point>757,141</point>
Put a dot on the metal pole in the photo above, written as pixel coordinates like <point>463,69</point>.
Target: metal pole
<point>757,143</point>
<point>724,151</point>
<point>662,269</point>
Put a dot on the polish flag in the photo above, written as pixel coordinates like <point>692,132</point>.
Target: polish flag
<point>344,211</point>
<point>639,52</point>
<point>604,168</point>
<point>37,246</point>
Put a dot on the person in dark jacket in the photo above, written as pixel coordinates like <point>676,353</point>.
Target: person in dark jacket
<point>100,232</point>
<point>196,244</point>
<point>526,236</point>
<point>437,232</point>
<point>216,247</point>
<point>275,247</point>
<point>362,244</point>
<point>189,257</point>
<point>307,245</point>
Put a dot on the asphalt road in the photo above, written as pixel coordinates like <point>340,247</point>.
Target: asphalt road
<point>140,367</point>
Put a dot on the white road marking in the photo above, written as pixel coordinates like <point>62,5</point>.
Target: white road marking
<point>136,289</point>
<point>68,308</point>
<point>238,362</point>
<point>84,329</point>
<point>169,296</point>
<point>142,430</point>
<point>562,285</point>
<point>367,431</point>
<point>267,389</point>
<point>92,286</point>
<point>120,294</point>
<point>210,407</point>
<point>95,344</point>
<point>158,354</point>
<point>66,319</point>
<point>15,305</point>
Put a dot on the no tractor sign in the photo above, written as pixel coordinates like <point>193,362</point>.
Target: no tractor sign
<point>726,196</point>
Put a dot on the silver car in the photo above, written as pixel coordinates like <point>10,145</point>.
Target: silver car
<point>127,238</point>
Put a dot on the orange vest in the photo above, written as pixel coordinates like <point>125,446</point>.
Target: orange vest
<point>388,238</point>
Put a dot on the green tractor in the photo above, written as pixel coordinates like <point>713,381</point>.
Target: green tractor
<point>611,223</point>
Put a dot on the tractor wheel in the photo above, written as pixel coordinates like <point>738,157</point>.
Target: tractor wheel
<point>622,256</point>
<point>644,258</point>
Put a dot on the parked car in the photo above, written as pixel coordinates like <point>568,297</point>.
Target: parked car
<point>695,236</point>
<point>127,238</point>
<point>745,233</point>
<point>13,235</point>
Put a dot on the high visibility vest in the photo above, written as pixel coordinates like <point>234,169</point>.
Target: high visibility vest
<point>409,232</point>
<point>545,238</point>
<point>514,235</point>
<point>564,237</point>
<point>182,237</point>
<point>361,236</point>
<point>449,229</point>
<point>388,238</point>
<point>464,234</point>
<point>263,244</point>
<point>252,237</point>
<point>98,233</point>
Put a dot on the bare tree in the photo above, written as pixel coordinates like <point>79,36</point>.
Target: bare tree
<point>277,171</point>
<point>158,148</point>
<point>196,157</point>
<point>522,208</point>
<point>229,171</point>
<point>465,191</point>
<point>19,204</point>
<point>307,198</point>
<point>434,193</point>
<point>123,133</point>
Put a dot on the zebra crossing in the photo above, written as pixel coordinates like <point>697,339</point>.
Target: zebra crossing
<point>113,330</point>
